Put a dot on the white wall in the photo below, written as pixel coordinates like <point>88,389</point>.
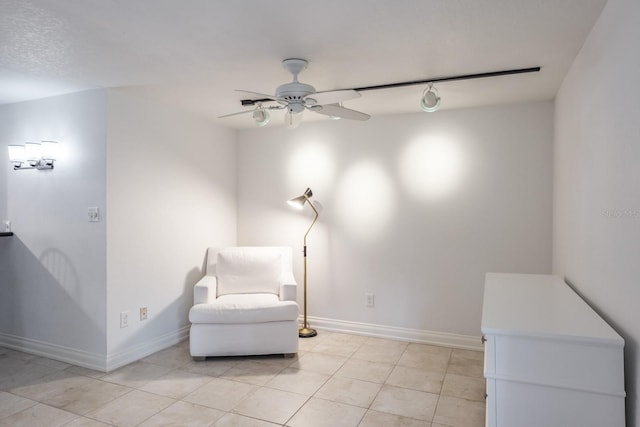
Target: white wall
<point>53,270</point>
<point>171,193</point>
<point>597,179</point>
<point>416,208</point>
<point>4,170</point>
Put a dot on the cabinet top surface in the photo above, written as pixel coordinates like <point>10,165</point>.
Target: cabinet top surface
<point>542,306</point>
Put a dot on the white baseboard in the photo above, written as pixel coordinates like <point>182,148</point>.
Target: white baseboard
<point>465,342</point>
<point>95,361</point>
<point>74,356</point>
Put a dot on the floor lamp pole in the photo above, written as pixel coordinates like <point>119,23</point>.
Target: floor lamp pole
<point>306,331</point>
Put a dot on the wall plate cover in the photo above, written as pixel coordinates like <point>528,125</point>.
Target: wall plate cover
<point>93,214</point>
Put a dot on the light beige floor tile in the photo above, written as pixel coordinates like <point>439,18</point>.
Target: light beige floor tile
<point>366,371</point>
<point>469,354</point>
<point>19,373</point>
<point>385,342</point>
<point>271,405</point>
<point>456,412</point>
<point>318,362</point>
<point>136,374</point>
<point>346,349</point>
<point>176,384</point>
<point>340,345</point>
<point>220,394</point>
<point>252,372</point>
<point>55,364</point>
<point>172,357</point>
<point>322,413</point>
<point>235,420</point>
<point>38,416</point>
<point>42,389</point>
<point>382,351</point>
<point>308,344</point>
<point>298,381</point>
<point>11,404</point>
<point>349,391</point>
<point>131,409</point>
<point>428,349</point>
<point>416,379</point>
<point>408,403</point>
<point>212,366</point>
<point>86,422</point>
<point>184,414</point>
<point>466,363</point>
<point>338,337</point>
<point>428,361</point>
<point>274,359</point>
<point>382,419</point>
<point>87,397</point>
<point>19,355</point>
<point>78,370</point>
<point>464,387</point>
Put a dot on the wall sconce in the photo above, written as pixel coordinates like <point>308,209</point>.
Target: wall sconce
<point>33,155</point>
<point>430,100</point>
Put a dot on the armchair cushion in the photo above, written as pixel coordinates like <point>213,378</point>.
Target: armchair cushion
<point>249,271</point>
<point>244,308</point>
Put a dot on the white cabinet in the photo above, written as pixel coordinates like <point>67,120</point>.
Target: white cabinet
<point>550,360</point>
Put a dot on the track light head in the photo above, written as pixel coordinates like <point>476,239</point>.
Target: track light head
<point>430,100</point>
<point>261,115</point>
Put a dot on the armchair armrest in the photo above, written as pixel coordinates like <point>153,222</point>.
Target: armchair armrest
<point>205,291</point>
<point>288,287</point>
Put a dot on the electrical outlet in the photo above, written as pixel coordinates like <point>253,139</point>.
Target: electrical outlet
<point>143,313</point>
<point>124,319</point>
<point>93,214</point>
<point>369,299</point>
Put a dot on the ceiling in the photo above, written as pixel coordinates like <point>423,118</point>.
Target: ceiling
<point>194,53</point>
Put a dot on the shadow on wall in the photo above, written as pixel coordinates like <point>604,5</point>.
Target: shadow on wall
<point>42,299</point>
<point>630,354</point>
<point>176,313</point>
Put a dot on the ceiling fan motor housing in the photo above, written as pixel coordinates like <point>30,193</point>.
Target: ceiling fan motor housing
<point>294,93</point>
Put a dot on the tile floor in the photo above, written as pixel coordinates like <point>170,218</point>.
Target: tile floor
<point>335,380</point>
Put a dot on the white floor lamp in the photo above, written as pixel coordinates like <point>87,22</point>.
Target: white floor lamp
<point>298,203</point>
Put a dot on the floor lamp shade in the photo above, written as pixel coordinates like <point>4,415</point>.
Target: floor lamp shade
<point>298,203</point>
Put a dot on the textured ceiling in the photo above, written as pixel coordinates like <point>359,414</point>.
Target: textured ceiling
<point>194,53</point>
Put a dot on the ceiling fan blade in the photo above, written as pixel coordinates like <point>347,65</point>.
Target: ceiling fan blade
<point>270,107</point>
<point>261,95</point>
<point>335,110</point>
<point>236,114</point>
<point>332,96</point>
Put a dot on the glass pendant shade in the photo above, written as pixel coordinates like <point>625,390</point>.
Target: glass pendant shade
<point>34,152</point>
<point>49,150</point>
<point>17,154</point>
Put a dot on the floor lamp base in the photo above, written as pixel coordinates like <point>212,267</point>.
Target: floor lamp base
<point>307,333</point>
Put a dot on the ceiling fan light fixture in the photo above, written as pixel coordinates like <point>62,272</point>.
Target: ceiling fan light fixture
<point>261,115</point>
<point>430,100</point>
<point>292,119</point>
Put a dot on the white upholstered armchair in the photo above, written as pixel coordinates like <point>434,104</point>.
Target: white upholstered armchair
<point>246,304</point>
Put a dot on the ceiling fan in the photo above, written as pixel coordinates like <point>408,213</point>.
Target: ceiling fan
<point>296,97</point>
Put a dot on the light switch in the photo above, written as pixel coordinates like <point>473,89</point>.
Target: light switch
<point>93,214</point>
